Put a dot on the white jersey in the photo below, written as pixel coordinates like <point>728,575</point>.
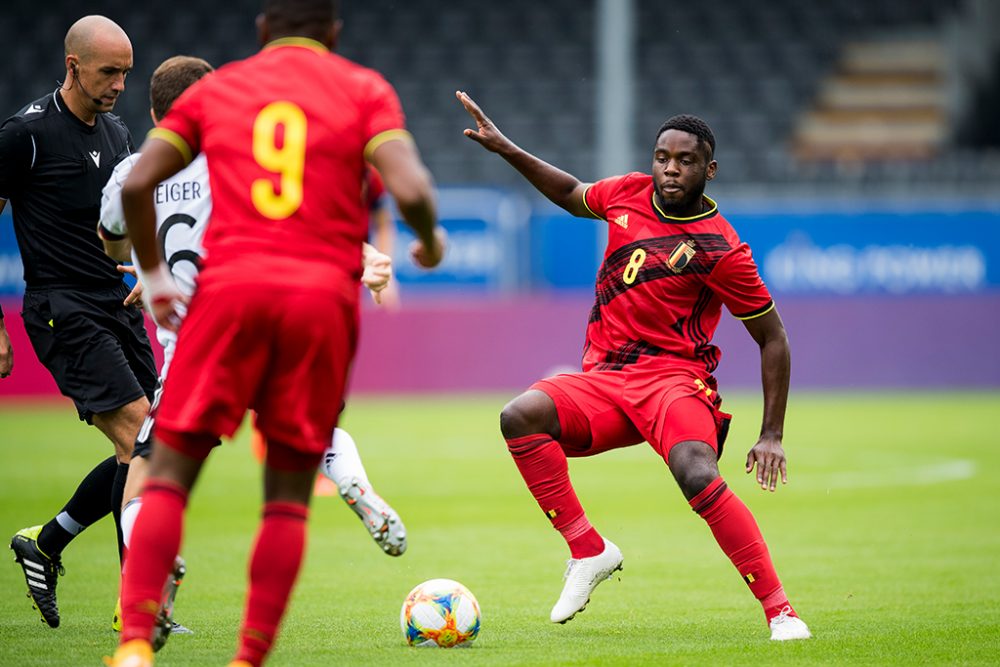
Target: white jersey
<point>183,206</point>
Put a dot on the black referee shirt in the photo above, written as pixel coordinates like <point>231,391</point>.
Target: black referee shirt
<point>52,169</point>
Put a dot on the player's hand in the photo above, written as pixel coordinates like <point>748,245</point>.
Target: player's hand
<point>389,298</point>
<point>769,458</point>
<point>486,133</point>
<point>135,296</point>
<point>377,273</point>
<point>167,304</point>
<point>429,257</point>
<point>6,353</point>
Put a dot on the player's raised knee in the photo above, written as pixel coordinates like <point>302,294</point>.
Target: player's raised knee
<point>530,413</point>
<point>694,466</point>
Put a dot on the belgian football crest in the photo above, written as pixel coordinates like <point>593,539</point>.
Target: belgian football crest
<point>681,256</point>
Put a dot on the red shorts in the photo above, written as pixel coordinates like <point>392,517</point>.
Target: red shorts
<point>603,410</point>
<point>284,352</point>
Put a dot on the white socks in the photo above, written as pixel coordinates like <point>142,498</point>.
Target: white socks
<point>341,461</point>
<point>129,514</point>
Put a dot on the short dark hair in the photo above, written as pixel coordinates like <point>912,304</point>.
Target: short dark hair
<point>171,78</point>
<point>691,125</point>
<point>295,17</point>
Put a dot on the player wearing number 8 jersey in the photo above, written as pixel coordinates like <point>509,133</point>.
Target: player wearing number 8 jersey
<point>272,325</point>
<point>698,261</point>
<point>671,263</point>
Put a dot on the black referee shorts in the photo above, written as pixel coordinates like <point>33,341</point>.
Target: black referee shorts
<point>96,349</point>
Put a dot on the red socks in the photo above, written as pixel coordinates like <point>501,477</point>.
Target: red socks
<point>737,533</point>
<point>156,540</point>
<point>542,464</point>
<point>274,567</point>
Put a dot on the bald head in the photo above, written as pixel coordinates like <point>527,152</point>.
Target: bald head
<point>98,58</point>
<point>93,34</point>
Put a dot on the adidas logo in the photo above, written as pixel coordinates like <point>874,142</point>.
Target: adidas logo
<point>622,221</point>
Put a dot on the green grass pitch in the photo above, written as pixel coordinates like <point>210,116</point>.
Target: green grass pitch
<point>887,539</point>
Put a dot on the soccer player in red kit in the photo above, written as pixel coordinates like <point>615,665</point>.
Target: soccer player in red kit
<point>671,263</point>
<point>272,325</point>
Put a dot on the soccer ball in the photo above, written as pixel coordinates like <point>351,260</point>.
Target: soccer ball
<point>440,612</point>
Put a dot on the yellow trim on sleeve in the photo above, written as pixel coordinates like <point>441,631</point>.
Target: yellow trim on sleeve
<point>175,140</point>
<point>383,137</point>
<point>756,315</point>
<point>586,205</point>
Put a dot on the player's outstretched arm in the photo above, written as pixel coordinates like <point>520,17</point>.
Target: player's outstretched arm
<point>562,189</point>
<point>775,368</point>
<point>409,182</point>
<point>160,160</point>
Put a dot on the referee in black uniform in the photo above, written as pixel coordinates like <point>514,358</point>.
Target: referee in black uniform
<point>56,154</point>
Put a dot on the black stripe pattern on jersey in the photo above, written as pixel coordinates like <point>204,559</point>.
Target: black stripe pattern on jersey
<point>709,249</point>
<point>629,353</point>
<point>707,353</point>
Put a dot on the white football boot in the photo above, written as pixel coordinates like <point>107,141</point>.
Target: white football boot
<point>582,577</point>
<point>784,626</point>
<point>382,522</point>
<point>342,465</point>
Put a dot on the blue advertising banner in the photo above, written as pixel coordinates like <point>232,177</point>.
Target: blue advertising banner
<point>499,242</point>
<point>820,248</point>
<point>874,251</point>
<point>487,243</point>
<point>11,270</point>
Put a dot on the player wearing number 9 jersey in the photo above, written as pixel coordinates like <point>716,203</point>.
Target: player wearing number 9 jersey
<point>671,264</point>
<point>272,325</point>
<point>183,206</point>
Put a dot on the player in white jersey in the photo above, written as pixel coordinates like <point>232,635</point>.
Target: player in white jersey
<point>183,209</point>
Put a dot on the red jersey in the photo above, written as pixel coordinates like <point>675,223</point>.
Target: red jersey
<point>285,133</point>
<point>663,282</point>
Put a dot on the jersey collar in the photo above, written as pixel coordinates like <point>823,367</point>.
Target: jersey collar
<point>297,41</point>
<point>64,110</point>
<point>713,208</point>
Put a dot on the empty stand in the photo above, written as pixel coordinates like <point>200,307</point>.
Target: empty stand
<point>791,88</point>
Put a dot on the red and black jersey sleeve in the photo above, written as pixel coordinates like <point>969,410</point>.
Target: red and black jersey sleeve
<point>598,196</point>
<point>737,281</point>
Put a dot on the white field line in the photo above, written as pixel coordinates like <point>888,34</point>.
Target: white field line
<point>925,475</point>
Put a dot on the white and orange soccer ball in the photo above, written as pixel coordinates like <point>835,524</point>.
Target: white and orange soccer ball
<point>440,612</point>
